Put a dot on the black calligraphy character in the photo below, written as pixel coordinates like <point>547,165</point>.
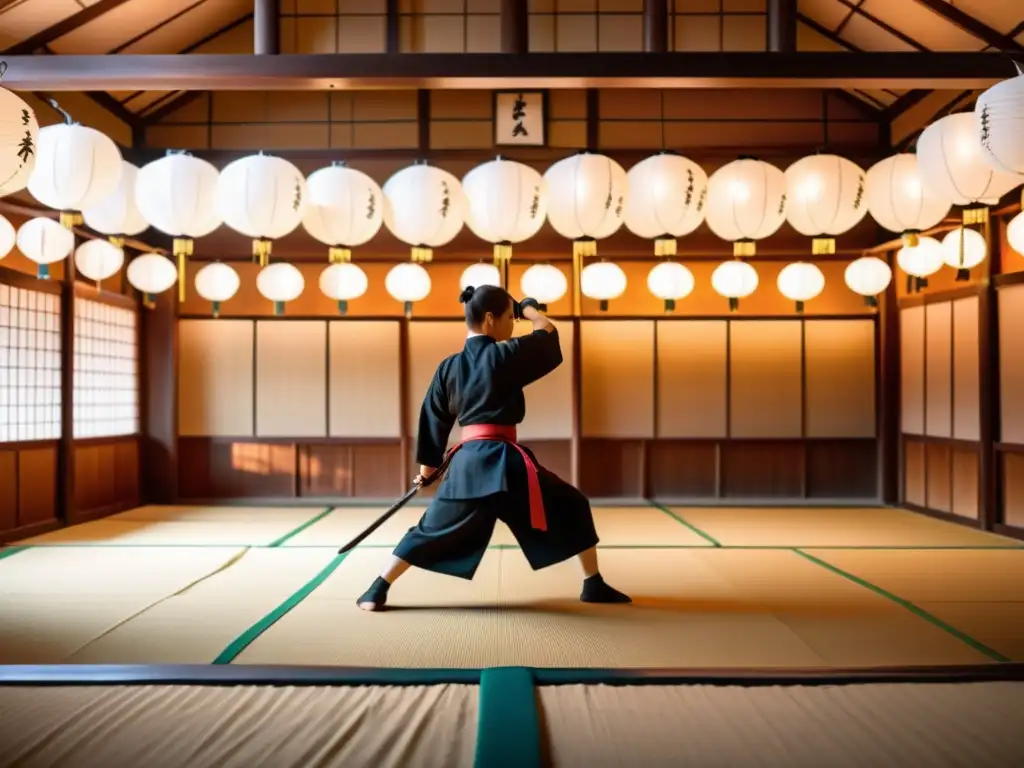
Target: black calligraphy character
<point>518,115</point>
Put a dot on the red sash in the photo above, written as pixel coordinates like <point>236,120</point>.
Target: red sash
<point>501,433</point>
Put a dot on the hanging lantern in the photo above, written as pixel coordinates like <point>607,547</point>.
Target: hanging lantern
<point>45,242</point>
<point>177,195</point>
<point>345,209</point>
<point>544,283</point>
<point>480,274</point>
<point>666,200</point>
<point>900,201</point>
<point>425,208</point>
<point>963,249</point>
<point>98,260</point>
<point>262,197</point>
<point>217,283</point>
<point>800,282</point>
<point>586,199</point>
<point>1015,233</point>
<point>280,283</point>
<point>746,203</point>
<point>506,203</point>
<point>151,274</point>
<point>824,199</point>
<point>920,261</point>
<point>603,281</point>
<point>8,237</point>
<point>19,140</point>
<point>735,280</point>
<point>868,276</point>
<point>670,282</point>
<point>343,282</point>
<point>408,283</point>
<point>999,112</point>
<point>117,215</point>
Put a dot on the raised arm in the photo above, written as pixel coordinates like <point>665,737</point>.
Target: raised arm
<point>436,422</point>
<point>537,354</point>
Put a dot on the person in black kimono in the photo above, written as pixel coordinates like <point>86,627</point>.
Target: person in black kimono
<point>489,475</point>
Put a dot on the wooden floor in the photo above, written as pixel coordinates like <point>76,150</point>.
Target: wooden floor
<point>713,588</point>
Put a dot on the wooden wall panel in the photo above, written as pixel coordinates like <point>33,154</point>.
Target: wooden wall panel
<point>765,367</point>
<point>8,490</point>
<point>365,384</point>
<point>106,477</point>
<point>360,470</point>
<point>291,378</point>
<point>912,370</point>
<point>37,485</point>
<point>549,411</point>
<point>430,342</point>
<point>213,468</point>
<point>617,378</point>
<point>682,469</point>
<point>1013,489</point>
<point>762,469</point>
<point>215,378</point>
<point>914,490</point>
<point>692,378</point>
<point>611,468</point>
<point>938,366</point>
<point>842,469</point>
<point>1011,363</point>
<point>839,356</point>
<point>938,477</point>
<point>964,501</point>
<point>966,370</point>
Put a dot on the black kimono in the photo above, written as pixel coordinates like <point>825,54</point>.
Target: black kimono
<point>487,480</point>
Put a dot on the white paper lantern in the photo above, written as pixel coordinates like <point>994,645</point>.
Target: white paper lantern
<point>480,274</point>
<point>824,199</point>
<point>586,199</point>
<point>1015,233</point>
<point>8,237</point>
<point>868,276</point>
<point>217,283</point>
<point>151,274</point>
<point>963,249</point>
<point>117,215</point>
<point>603,281</point>
<point>951,162</point>
<point>1000,115</point>
<point>735,280</point>
<point>343,282</point>
<point>746,203</point>
<point>922,260</point>
<point>408,283</point>
<point>76,168</point>
<point>19,142</point>
<point>670,282</point>
<point>801,282</point>
<point>898,198</point>
<point>507,203</point>
<point>45,242</point>
<point>98,260</point>
<point>425,208</point>
<point>345,209</point>
<point>280,283</point>
<point>667,194</point>
<point>545,283</point>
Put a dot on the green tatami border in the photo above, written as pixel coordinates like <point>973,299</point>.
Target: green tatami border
<point>309,523</point>
<point>707,537</point>
<point>508,729</point>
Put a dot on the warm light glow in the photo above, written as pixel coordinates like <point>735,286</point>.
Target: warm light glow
<point>898,200</point>
<point>921,260</point>
<point>425,206</point>
<point>801,281</point>
<point>76,167</point>
<point>280,283</point>
<point>826,195</point>
<point>586,196</point>
<point>44,241</point>
<point>670,281</point>
<point>1015,233</point>
<point>98,259</point>
<point>603,281</point>
<point>949,156</point>
<point>8,237</point>
<point>868,276</point>
<point>734,279</point>
<point>480,274</point>
<point>177,195</point>
<point>507,202</point>
<point>117,213</point>
<point>262,196</point>
<point>217,282</point>
<point>974,248</point>
<point>746,200</point>
<point>408,282</point>
<point>343,282</point>
<point>998,114</point>
<point>346,207</point>
<point>18,134</point>
<point>544,282</point>
<point>667,196</point>
<point>152,273</point>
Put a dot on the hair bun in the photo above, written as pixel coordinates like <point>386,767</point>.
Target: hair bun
<point>467,294</point>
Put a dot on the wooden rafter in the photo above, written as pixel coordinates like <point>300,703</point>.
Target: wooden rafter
<point>971,25</point>
<point>856,9</point>
<point>63,27</point>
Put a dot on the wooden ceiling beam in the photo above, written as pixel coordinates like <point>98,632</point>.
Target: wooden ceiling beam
<point>63,27</point>
<point>972,26</point>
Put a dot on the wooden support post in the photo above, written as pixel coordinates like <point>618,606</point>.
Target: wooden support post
<point>890,464</point>
<point>392,27</point>
<point>266,23</point>
<point>782,26</point>
<point>515,30</point>
<point>67,508</point>
<point>160,399</point>
<point>989,469</point>
<point>656,26</point>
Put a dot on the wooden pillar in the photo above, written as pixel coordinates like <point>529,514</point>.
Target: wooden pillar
<point>392,27</point>
<point>990,417</point>
<point>67,507</point>
<point>890,465</point>
<point>656,26</point>
<point>515,30</point>
<point>159,399</point>
<point>265,21</point>
<point>782,26</point>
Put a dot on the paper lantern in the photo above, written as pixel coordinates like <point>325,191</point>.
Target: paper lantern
<point>76,168</point>
<point>963,249</point>
<point>45,242</point>
<point>824,199</point>
<point>117,215</point>
<point>345,209</point>
<point>408,283</point>
<point>151,274</point>
<point>667,194</point>
<point>746,203</point>
<point>543,282</point>
<point>343,282</point>
<point>480,274</point>
<point>98,260</point>
<point>425,208</point>
<point>920,261</point>
<point>8,237</point>
<point>670,281</point>
<point>900,201</point>
<point>1015,233</point>
<point>177,195</point>
<point>507,203</point>
<point>603,281</point>
<point>280,283</point>
<point>217,283</point>
<point>19,141</point>
<point>586,199</point>
<point>800,282</point>
<point>735,280</point>
<point>1000,112</point>
<point>868,276</point>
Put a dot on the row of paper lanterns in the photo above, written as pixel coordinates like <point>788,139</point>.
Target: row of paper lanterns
<point>970,160</point>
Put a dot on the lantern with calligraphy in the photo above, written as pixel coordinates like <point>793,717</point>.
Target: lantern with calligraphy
<point>746,203</point>
<point>667,193</point>
<point>280,283</point>
<point>343,282</point>
<point>217,283</point>
<point>920,260</point>
<point>408,283</point>
<point>98,260</point>
<point>999,112</point>
<point>800,282</point>
<point>345,209</point>
<point>963,249</point>
<point>900,201</point>
<point>868,276</point>
<point>735,280</point>
<point>670,282</point>
<point>117,215</point>
<point>425,209</point>
<point>151,274</point>
<point>8,237</point>
<point>19,140</point>
<point>480,274</point>
<point>45,242</point>
<point>824,199</point>
<point>586,199</point>
<point>545,283</point>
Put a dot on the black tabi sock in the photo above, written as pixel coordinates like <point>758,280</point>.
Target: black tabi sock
<point>377,593</point>
<point>595,590</point>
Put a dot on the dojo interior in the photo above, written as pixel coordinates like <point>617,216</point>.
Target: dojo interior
<point>829,494</point>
